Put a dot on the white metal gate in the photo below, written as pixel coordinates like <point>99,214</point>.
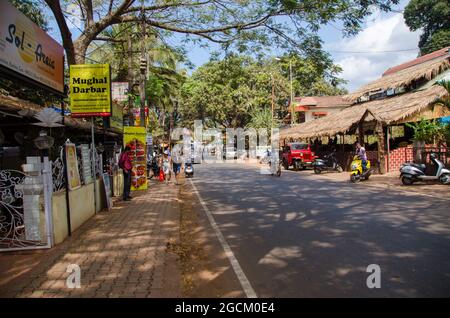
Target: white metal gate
<point>26,206</point>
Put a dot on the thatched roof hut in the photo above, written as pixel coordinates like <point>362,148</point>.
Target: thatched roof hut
<point>387,111</point>
<point>421,69</point>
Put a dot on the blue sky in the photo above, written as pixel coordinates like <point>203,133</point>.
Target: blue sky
<point>384,41</point>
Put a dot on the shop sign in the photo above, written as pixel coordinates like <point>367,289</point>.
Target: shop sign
<point>135,138</point>
<point>86,164</point>
<point>116,119</point>
<point>90,90</point>
<point>28,51</point>
<point>73,174</point>
<point>119,91</point>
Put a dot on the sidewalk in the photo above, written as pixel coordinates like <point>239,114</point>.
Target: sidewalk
<point>122,253</point>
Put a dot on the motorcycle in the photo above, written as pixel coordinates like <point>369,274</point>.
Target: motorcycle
<point>328,163</point>
<point>358,173</point>
<point>275,169</point>
<point>412,172</point>
<point>188,170</point>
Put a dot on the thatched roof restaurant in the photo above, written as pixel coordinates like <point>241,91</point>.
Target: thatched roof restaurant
<point>388,111</point>
<point>400,106</point>
<point>424,68</point>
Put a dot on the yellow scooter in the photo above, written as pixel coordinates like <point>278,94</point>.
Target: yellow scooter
<point>357,173</point>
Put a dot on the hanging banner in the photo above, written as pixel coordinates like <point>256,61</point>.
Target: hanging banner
<point>135,137</point>
<point>28,51</point>
<point>72,167</point>
<point>90,90</point>
<point>116,119</point>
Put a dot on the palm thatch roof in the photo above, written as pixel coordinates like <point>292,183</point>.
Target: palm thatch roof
<point>388,111</point>
<point>406,76</point>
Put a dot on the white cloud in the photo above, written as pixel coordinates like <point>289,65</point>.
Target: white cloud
<point>388,33</point>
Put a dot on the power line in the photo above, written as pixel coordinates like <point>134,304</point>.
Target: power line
<point>372,52</point>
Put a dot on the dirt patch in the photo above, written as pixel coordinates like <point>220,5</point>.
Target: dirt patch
<point>206,271</point>
<point>190,252</point>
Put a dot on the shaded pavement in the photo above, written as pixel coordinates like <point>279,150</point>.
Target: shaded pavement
<point>303,235</point>
<point>122,253</point>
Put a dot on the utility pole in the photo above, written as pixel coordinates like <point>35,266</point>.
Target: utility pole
<point>143,68</point>
<point>273,98</point>
<point>130,79</point>
<point>292,94</point>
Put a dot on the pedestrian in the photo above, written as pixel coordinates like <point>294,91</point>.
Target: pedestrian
<point>166,166</point>
<point>176,167</point>
<point>126,166</point>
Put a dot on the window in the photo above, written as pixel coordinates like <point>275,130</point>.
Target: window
<point>299,146</point>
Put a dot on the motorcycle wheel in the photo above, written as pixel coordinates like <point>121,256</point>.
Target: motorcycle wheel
<point>279,172</point>
<point>285,165</point>
<point>355,178</point>
<point>339,169</point>
<point>445,178</point>
<point>317,170</point>
<point>407,181</point>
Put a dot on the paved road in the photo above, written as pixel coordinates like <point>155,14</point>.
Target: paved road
<point>306,236</point>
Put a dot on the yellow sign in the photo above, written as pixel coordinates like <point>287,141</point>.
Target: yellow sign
<point>72,167</point>
<point>90,90</point>
<point>27,50</point>
<point>134,137</point>
<point>116,119</point>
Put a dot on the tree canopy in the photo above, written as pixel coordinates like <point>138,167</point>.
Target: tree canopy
<point>285,23</point>
<point>230,92</point>
<point>33,11</point>
<point>433,18</point>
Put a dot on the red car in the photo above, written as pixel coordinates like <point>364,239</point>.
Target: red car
<point>297,155</point>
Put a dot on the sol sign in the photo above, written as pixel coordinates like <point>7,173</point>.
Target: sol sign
<point>26,49</point>
<point>90,90</point>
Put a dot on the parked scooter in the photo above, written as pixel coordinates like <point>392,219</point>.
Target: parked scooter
<point>411,172</point>
<point>328,163</point>
<point>358,172</point>
<point>188,170</point>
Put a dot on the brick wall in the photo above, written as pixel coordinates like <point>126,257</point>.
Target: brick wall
<point>399,156</point>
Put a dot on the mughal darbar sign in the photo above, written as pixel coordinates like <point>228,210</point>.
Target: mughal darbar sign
<point>27,51</point>
<point>90,90</point>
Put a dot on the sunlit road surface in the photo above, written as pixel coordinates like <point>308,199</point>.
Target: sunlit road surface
<point>306,236</point>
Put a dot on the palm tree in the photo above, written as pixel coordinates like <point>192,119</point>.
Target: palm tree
<point>444,100</point>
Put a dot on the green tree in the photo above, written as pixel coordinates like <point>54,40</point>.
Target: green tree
<point>427,131</point>
<point>224,93</point>
<point>230,92</point>
<point>433,18</point>
<point>33,10</point>
<point>283,23</point>
<point>262,118</point>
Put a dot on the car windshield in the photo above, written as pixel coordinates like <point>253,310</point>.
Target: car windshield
<point>299,146</point>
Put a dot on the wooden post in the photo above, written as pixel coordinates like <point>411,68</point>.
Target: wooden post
<point>361,132</point>
<point>388,137</point>
<point>381,150</point>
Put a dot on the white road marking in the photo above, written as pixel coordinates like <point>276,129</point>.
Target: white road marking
<point>245,283</point>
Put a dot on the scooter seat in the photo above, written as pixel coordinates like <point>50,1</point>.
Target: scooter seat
<point>419,166</point>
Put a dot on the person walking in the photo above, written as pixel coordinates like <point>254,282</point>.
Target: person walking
<point>126,166</point>
<point>165,165</point>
